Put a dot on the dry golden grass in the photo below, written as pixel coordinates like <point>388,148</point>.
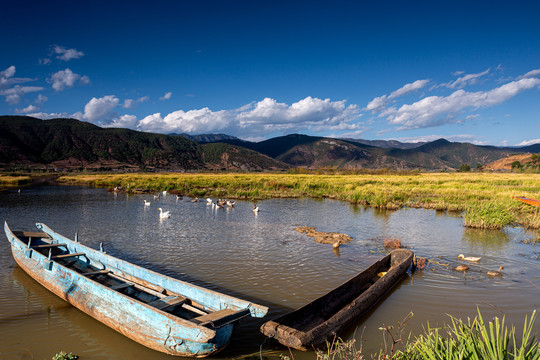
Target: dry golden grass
<point>486,199</point>
<point>13,180</point>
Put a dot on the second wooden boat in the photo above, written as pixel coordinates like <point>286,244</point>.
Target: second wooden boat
<point>319,321</point>
<point>162,313</point>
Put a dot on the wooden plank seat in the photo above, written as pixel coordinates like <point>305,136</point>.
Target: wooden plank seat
<point>98,272</point>
<point>44,246</point>
<point>220,316</point>
<point>30,234</point>
<point>168,301</point>
<point>64,256</point>
<point>194,309</point>
<point>121,286</point>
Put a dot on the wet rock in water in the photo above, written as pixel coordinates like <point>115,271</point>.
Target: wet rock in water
<point>325,237</point>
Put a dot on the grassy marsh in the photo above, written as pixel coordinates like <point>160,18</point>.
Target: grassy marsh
<point>485,199</point>
<point>14,180</point>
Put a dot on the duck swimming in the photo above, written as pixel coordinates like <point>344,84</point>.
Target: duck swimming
<point>495,273</point>
<point>468,258</point>
<point>462,267</point>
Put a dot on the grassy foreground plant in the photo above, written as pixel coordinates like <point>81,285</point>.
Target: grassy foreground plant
<point>460,340</point>
<point>474,339</point>
<point>340,350</point>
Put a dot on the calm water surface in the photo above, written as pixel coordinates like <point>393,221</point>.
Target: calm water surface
<point>257,257</point>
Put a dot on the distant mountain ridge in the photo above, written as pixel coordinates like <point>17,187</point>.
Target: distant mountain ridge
<point>207,138</point>
<point>391,144</point>
<point>441,154</point>
<point>74,144</point>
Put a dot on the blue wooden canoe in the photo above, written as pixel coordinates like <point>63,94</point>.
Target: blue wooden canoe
<point>162,313</point>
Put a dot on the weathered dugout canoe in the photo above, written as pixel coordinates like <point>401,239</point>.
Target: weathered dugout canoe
<point>162,313</point>
<point>312,325</point>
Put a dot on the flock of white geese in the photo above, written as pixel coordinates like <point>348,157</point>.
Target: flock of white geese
<point>219,204</point>
<point>222,204</point>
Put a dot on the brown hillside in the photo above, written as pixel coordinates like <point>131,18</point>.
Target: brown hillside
<point>506,163</point>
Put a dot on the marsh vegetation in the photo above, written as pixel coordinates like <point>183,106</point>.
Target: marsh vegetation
<point>486,200</point>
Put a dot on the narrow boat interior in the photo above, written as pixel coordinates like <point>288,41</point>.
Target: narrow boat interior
<point>155,296</point>
<point>323,308</point>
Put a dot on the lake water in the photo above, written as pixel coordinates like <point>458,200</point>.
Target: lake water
<point>261,258</point>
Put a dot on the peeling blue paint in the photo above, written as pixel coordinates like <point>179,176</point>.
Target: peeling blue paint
<point>135,319</point>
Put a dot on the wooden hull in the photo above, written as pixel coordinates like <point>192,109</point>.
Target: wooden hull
<point>141,320</point>
<point>317,322</point>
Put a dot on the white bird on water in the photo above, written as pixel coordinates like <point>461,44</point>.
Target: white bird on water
<point>255,208</point>
<point>164,215</point>
<point>146,203</point>
<point>468,258</point>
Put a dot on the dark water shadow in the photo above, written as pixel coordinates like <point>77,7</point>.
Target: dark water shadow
<point>488,239</point>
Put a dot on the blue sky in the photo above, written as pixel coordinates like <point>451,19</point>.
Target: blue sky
<point>467,71</point>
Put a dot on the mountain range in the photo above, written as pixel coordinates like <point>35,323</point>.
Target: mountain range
<point>64,144</point>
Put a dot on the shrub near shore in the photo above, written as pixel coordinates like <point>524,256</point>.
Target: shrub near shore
<point>486,199</point>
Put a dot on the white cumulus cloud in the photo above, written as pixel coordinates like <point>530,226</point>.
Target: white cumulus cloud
<point>66,78</point>
<point>13,95</point>
<point>437,110</point>
<point>98,109</point>
<point>380,102</point>
<point>131,103</point>
<point>192,121</point>
<point>66,54</point>
<point>10,90</point>
<point>167,96</point>
<point>529,142</point>
<point>46,116</point>
<point>469,79</point>
<point>41,99</point>
<point>124,121</point>
<point>531,74</point>
<point>6,77</point>
<point>255,119</point>
<point>28,109</point>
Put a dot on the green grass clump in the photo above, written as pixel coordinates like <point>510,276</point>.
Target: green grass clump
<point>64,356</point>
<point>488,215</point>
<point>474,339</point>
<point>460,340</point>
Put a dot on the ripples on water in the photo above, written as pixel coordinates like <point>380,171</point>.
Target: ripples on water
<point>258,257</point>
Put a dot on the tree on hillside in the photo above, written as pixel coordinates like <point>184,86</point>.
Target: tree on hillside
<point>535,159</point>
